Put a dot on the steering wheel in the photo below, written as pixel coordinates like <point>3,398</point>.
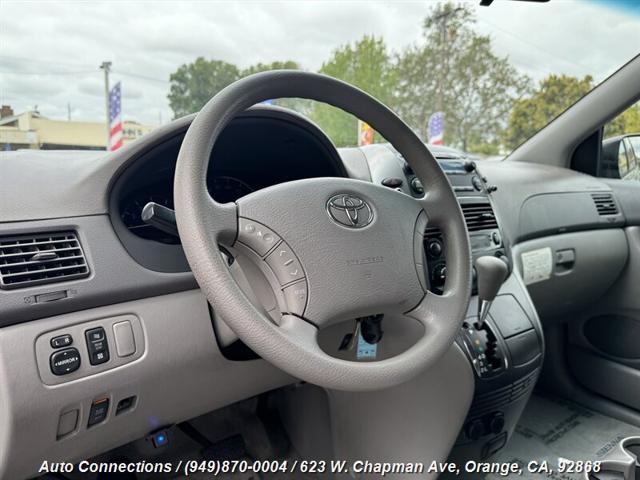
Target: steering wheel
<point>339,248</point>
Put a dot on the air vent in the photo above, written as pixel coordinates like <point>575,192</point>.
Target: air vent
<point>479,216</point>
<point>432,232</point>
<point>29,260</point>
<point>605,204</point>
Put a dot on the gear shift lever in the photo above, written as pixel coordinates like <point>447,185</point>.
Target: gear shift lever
<point>491,273</point>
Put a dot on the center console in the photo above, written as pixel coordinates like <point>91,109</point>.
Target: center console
<point>506,351</point>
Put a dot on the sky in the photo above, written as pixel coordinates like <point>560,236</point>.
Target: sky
<point>50,51</point>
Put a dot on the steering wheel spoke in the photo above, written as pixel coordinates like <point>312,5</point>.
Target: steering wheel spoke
<point>434,311</point>
<point>222,220</point>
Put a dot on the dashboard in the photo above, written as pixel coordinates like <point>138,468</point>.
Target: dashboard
<point>134,269</point>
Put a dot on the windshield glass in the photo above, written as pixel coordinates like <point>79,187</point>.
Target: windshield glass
<point>481,79</point>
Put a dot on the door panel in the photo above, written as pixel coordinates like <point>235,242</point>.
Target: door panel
<point>604,346</point>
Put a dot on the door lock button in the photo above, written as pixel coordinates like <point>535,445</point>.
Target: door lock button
<point>65,361</point>
<point>97,346</point>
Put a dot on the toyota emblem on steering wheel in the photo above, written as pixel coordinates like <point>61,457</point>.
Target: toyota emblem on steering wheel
<point>349,210</point>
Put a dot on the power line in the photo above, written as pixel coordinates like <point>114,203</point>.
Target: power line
<point>142,77</point>
<point>537,47</point>
<point>14,72</point>
<point>50,62</point>
<point>74,65</point>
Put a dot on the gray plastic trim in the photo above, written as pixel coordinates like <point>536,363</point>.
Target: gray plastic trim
<point>413,422</point>
<point>181,375</point>
<point>518,182</point>
<point>600,256</point>
<point>115,276</point>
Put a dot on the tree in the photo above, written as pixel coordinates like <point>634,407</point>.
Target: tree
<point>365,64</point>
<point>193,84</point>
<point>264,67</point>
<point>554,94</point>
<point>454,70</point>
<point>627,122</point>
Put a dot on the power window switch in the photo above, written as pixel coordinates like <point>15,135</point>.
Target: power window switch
<point>98,412</point>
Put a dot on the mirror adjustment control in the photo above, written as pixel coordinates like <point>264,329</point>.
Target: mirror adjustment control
<point>65,361</point>
<point>97,346</point>
<point>61,341</point>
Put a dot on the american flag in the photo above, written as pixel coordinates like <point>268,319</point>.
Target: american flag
<point>435,129</point>
<point>115,118</point>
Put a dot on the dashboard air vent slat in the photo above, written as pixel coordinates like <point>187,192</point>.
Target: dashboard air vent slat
<point>605,204</point>
<point>479,216</point>
<point>37,259</point>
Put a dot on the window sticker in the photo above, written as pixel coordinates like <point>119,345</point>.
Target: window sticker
<point>366,350</point>
<point>537,265</point>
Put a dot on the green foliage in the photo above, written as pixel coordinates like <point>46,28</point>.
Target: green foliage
<point>454,70</point>
<point>193,84</point>
<point>627,122</point>
<point>367,65</point>
<point>488,105</point>
<point>264,67</point>
<point>554,95</point>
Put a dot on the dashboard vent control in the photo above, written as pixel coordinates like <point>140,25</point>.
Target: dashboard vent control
<point>605,204</point>
<point>479,216</point>
<point>37,259</point>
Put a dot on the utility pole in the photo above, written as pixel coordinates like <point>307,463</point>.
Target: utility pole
<point>106,66</point>
<point>68,111</point>
<point>442,20</point>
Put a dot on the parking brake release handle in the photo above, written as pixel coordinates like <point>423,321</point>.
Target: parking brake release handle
<point>491,274</point>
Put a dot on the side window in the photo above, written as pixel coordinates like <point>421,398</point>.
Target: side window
<point>621,146</point>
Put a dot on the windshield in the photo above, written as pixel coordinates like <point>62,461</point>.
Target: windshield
<point>481,79</point>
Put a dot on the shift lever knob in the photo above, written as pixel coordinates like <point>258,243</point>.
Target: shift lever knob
<point>491,274</point>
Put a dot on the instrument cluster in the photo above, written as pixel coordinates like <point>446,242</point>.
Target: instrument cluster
<point>223,189</point>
